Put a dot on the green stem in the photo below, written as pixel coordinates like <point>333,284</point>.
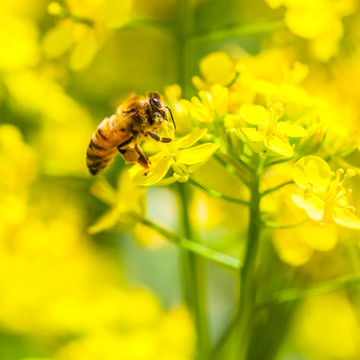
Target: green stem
<point>181,35</point>
<point>238,32</point>
<point>194,278</point>
<point>227,261</point>
<point>193,266</point>
<point>275,188</point>
<point>217,194</point>
<point>274,226</point>
<point>319,289</point>
<point>277,162</point>
<point>241,167</point>
<point>231,169</point>
<point>247,288</point>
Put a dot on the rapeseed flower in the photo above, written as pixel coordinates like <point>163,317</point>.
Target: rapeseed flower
<point>271,133</point>
<point>324,195</point>
<point>127,204</point>
<point>323,32</point>
<point>215,68</point>
<point>180,155</point>
<point>208,105</point>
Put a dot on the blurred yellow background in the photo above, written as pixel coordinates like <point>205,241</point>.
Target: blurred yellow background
<point>66,294</point>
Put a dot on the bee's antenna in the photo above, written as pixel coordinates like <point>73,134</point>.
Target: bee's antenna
<point>172,118</point>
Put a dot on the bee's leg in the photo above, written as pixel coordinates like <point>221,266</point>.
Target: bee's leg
<point>157,137</point>
<point>130,155</point>
<point>143,160</point>
<point>126,142</point>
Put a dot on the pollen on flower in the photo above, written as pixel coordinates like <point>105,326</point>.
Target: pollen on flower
<point>277,107</point>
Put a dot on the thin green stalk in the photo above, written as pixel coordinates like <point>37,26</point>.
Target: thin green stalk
<point>193,266</point>
<point>227,261</point>
<point>247,289</point>
<point>274,226</point>
<point>319,289</point>
<point>242,167</point>
<point>277,162</point>
<point>275,188</point>
<point>231,169</point>
<point>194,278</point>
<point>238,32</point>
<point>65,13</point>
<point>217,194</point>
<point>181,35</point>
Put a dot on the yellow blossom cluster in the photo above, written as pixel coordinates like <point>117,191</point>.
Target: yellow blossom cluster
<point>323,32</point>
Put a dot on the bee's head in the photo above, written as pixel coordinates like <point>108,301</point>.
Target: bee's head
<point>158,106</point>
<point>155,102</point>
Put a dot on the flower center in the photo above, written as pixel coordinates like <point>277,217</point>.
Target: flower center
<point>276,110</point>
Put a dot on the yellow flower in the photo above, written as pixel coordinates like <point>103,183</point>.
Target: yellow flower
<point>19,42</point>
<point>295,246</point>
<point>324,32</point>
<point>209,104</point>
<point>113,13</point>
<point>184,124</point>
<point>28,89</point>
<point>215,68</point>
<point>127,204</point>
<point>323,194</point>
<point>269,132</point>
<point>169,335</point>
<point>180,155</point>
<point>78,39</point>
<point>326,326</point>
<point>18,163</point>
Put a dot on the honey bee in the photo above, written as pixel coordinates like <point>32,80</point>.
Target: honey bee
<point>134,121</point>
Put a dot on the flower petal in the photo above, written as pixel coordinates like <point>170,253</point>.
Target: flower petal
<point>196,154</point>
<point>157,171</point>
<point>252,134</point>
<point>254,114</point>
<point>313,206</point>
<point>105,222</point>
<point>305,21</point>
<point>166,181</point>
<point>312,169</point>
<point>321,238</point>
<point>294,131</point>
<point>191,139</point>
<point>346,218</point>
<point>279,145</point>
<point>217,67</point>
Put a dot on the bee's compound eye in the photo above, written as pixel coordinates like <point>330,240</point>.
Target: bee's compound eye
<point>156,102</point>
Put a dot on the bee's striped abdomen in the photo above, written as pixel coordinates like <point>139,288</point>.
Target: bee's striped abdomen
<point>102,147</point>
<point>98,157</point>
